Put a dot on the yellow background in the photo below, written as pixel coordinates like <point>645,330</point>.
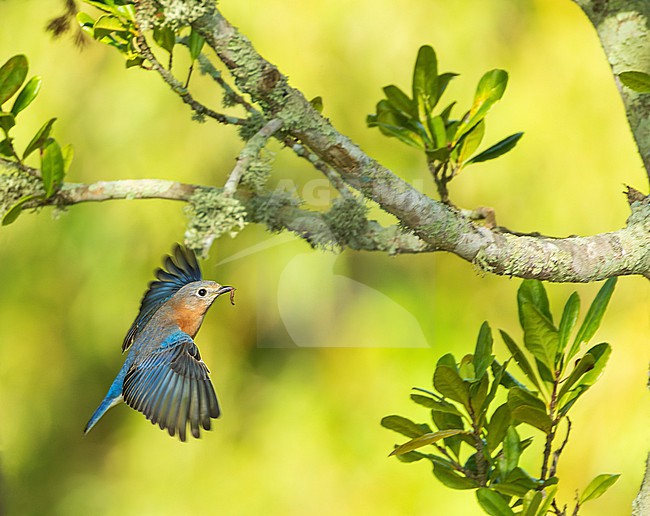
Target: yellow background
<point>319,346</point>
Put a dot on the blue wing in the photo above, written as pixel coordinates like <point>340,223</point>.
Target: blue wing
<point>171,387</point>
<point>179,270</point>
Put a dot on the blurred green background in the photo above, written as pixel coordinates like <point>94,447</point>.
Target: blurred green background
<point>319,346</point>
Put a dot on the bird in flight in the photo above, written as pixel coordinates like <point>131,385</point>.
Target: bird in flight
<point>163,375</point>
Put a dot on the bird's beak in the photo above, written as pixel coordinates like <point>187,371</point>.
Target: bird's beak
<point>223,290</point>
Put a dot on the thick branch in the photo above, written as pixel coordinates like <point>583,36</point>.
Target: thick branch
<point>309,225</point>
<point>624,31</point>
<point>566,260</point>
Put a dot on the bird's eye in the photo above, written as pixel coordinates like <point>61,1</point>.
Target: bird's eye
<point>202,292</point>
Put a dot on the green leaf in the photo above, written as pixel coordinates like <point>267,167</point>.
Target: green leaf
<point>12,76</point>
<point>68,156</point>
<point>413,456</point>
<point>471,142</point>
<point>7,121</point>
<point>493,503</point>
<point>85,20</point>
<point>107,24</point>
<point>544,372</point>
<point>425,440</point>
<point>438,132</point>
<point>498,427</point>
<point>498,372</point>
<point>568,321</point>
<point>570,399</point>
<point>532,501</point>
<point>165,38</point>
<point>489,90</point>
<point>449,360</point>
<point>584,365</point>
<point>392,123</point>
<point>548,500</point>
<point>400,101</point>
<point>520,358</point>
<point>52,168</point>
<point>526,408</point>
<point>540,336</point>
<point>443,81</point>
<point>134,61</point>
<point>477,395</point>
<point>425,401</point>
<point>601,353</point>
<point>425,82</point>
<point>404,426</point>
<point>12,213</point>
<point>637,81</point>
<point>507,380</point>
<point>534,292</point>
<point>498,149</point>
<point>437,405</point>
<point>598,486</point>
<point>517,483</point>
<point>403,135</point>
<point>511,450</point>
<point>39,138</point>
<point>195,44</point>
<point>27,95</point>
<point>451,479</point>
<point>448,382</point>
<point>466,368</point>
<point>448,421</point>
<point>594,316</point>
<point>127,11</point>
<point>6,147</point>
<point>445,114</point>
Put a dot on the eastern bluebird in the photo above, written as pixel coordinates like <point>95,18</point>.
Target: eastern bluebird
<point>163,375</point>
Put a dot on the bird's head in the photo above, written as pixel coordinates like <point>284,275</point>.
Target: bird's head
<point>192,301</point>
<point>199,295</point>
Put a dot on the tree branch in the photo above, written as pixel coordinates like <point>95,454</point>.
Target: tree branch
<point>624,31</point>
<point>312,226</point>
<point>181,90</point>
<point>577,259</point>
<point>250,151</point>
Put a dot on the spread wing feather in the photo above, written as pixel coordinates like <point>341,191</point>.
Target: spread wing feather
<point>172,388</point>
<point>179,270</point>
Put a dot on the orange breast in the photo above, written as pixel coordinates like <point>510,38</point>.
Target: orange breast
<point>188,320</point>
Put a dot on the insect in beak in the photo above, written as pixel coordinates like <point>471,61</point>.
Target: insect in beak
<point>223,290</point>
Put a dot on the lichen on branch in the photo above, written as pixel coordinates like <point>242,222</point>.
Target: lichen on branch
<point>212,214</point>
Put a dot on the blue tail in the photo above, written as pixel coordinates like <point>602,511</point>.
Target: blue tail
<point>113,397</point>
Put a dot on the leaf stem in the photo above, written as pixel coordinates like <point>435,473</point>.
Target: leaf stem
<point>551,434</point>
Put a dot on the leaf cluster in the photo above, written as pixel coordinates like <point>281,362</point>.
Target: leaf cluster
<point>118,28</point>
<point>55,160</point>
<point>476,433</point>
<point>449,144</point>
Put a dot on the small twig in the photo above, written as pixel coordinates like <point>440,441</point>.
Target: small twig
<point>248,153</point>
<point>303,152</point>
<point>208,68</point>
<point>189,75</point>
<point>557,510</point>
<point>180,90</point>
<point>454,464</point>
<point>558,452</point>
<point>577,507</point>
<point>551,434</point>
